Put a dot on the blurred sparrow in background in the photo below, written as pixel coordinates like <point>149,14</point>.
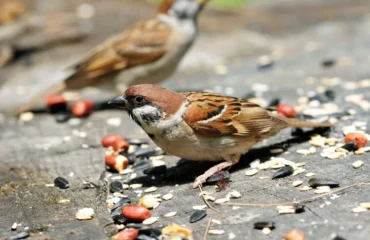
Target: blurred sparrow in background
<point>202,126</point>
<point>147,52</point>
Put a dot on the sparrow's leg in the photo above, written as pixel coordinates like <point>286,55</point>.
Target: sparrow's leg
<point>230,161</point>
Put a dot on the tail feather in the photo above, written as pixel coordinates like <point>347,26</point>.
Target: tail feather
<point>294,122</point>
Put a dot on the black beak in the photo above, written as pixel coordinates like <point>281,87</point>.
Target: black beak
<point>119,101</point>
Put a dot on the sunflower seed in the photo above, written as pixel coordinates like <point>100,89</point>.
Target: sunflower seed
<point>61,183</point>
<point>14,226</point>
<point>20,235</point>
<point>141,165</point>
<point>357,164</point>
<point>119,218</point>
<point>62,117</point>
<point>317,182</point>
<point>351,146</point>
<point>148,152</point>
<point>305,188</point>
<point>115,187</point>
<point>197,215</point>
<point>285,171</point>
<point>120,203</point>
<point>63,201</point>
<point>262,225</point>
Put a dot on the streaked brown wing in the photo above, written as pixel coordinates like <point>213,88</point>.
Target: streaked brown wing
<point>143,43</point>
<point>214,114</point>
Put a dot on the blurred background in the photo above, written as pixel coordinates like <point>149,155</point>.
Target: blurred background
<point>240,42</point>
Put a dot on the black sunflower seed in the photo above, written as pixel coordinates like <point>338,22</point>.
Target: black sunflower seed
<point>274,102</point>
<point>119,219</point>
<point>20,235</point>
<point>197,215</point>
<point>262,225</point>
<point>61,183</point>
<point>330,94</point>
<point>351,146</point>
<point>328,63</point>
<point>62,117</point>
<point>145,237</point>
<point>317,182</point>
<point>136,141</point>
<point>130,157</point>
<point>337,237</point>
<point>299,207</point>
<point>162,169</point>
<point>141,165</point>
<point>148,152</point>
<point>340,114</point>
<point>115,187</point>
<point>135,225</point>
<point>150,231</point>
<point>321,98</point>
<point>223,175</point>
<point>123,201</point>
<point>283,172</point>
<point>57,108</point>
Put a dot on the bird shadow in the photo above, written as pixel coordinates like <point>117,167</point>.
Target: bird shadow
<point>185,171</point>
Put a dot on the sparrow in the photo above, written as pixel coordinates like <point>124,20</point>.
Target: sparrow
<point>147,52</point>
<point>202,126</point>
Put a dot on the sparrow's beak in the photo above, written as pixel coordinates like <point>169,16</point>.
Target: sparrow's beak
<point>119,101</point>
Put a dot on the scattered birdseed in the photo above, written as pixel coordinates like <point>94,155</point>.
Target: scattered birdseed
<point>62,183</point>
<point>283,172</point>
<point>197,215</point>
<point>50,185</point>
<point>357,164</point>
<point>318,182</point>
<point>167,196</point>
<point>310,174</point>
<point>266,231</point>
<point>150,220</point>
<point>136,185</point>
<point>234,194</point>
<point>305,188</point>
<point>255,163</point>
<point>126,171</point>
<point>151,189</point>
<point>85,214</point>
<point>216,232</point>
<point>26,117</point>
<point>276,150</point>
<point>14,226</point>
<point>231,236</point>
<point>115,187</point>
<point>116,121</point>
<point>222,200</point>
<point>63,201</point>
<point>215,221</point>
<point>322,189</point>
<point>298,171</point>
<point>235,207</point>
<point>251,172</point>
<point>365,205</point>
<point>170,214</point>
<point>286,211</point>
<point>150,201</point>
<point>297,183</point>
<point>359,209</point>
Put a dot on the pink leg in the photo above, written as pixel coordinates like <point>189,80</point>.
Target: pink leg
<point>230,160</point>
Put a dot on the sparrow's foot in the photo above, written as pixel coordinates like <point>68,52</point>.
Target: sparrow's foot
<point>202,178</point>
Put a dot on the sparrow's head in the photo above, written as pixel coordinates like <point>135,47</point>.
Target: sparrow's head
<point>182,9</point>
<point>149,103</point>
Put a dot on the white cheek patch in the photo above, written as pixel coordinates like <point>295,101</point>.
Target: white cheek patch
<point>145,110</point>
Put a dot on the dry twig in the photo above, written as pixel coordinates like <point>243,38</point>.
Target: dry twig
<point>207,229</point>
<point>205,201</point>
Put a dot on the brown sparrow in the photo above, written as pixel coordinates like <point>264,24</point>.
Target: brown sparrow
<point>147,52</point>
<point>202,126</point>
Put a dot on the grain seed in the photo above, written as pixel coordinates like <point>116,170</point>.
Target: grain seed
<point>297,183</point>
<point>216,232</point>
<point>167,196</point>
<point>151,189</point>
<point>85,214</point>
<point>365,205</point>
<point>170,214</point>
<point>251,172</point>
<point>359,209</point>
<point>150,220</point>
<point>357,164</point>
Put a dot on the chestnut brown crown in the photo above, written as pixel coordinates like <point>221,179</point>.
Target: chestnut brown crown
<point>168,101</point>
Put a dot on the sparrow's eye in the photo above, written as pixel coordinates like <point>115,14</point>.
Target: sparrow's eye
<point>139,100</point>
